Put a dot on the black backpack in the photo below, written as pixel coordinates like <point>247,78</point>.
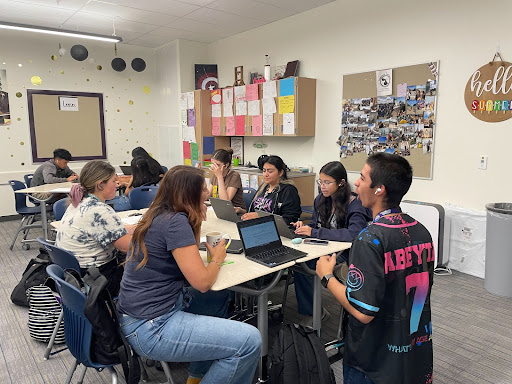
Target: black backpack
<point>299,357</point>
<point>108,344</point>
<point>34,274</point>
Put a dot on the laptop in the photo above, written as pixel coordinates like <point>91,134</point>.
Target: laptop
<point>283,228</point>
<point>262,243</point>
<point>127,169</point>
<point>225,210</point>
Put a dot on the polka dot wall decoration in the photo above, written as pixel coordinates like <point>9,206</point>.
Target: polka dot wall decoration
<point>22,143</point>
<point>130,102</point>
<point>146,89</point>
<point>99,68</point>
<point>19,94</point>
<point>36,80</point>
<point>54,58</point>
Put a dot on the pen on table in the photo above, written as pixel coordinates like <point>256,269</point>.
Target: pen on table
<point>227,262</point>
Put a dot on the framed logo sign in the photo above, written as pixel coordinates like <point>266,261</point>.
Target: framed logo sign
<point>488,94</point>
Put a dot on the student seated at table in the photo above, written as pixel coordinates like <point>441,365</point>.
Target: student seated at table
<point>142,174</point>
<point>163,319</point>
<point>53,171</point>
<point>228,181</point>
<point>91,229</point>
<point>337,215</point>
<point>153,164</point>
<point>277,194</point>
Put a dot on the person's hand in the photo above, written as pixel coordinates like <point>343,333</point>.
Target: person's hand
<point>304,230</point>
<point>74,176</point>
<point>325,265</point>
<point>239,210</point>
<point>218,171</point>
<point>249,216</point>
<point>204,208</point>
<point>297,224</point>
<point>218,252</point>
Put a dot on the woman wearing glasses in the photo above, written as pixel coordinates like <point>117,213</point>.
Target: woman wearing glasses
<point>337,215</point>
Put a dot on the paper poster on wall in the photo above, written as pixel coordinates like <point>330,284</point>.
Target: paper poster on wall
<point>253,108</point>
<point>189,134</point>
<point>194,153</point>
<point>251,92</point>
<point>286,87</point>
<point>241,108</point>
<point>268,125</point>
<point>208,145</point>
<point>184,118</point>
<point>257,125</point>
<point>384,82</point>
<point>230,126</point>
<point>237,145</point>
<point>239,94</point>
<point>253,182</point>
<point>401,90</point>
<point>215,126</point>
<point>188,162</point>
<point>269,106</point>
<point>191,117</point>
<point>227,95</point>
<point>184,101</point>
<point>269,89</point>
<point>240,125</point>
<point>289,123</point>
<point>216,96</point>
<point>216,110</point>
<point>227,108</point>
<point>287,104</point>
<point>244,178</point>
<point>186,150</point>
<point>190,100</point>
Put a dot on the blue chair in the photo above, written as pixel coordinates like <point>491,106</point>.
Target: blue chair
<point>142,197</point>
<point>248,196</point>
<point>164,169</point>
<point>77,328</point>
<point>59,207</point>
<point>28,179</point>
<point>28,214</point>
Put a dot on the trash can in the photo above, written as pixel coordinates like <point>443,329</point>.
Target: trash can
<point>498,249</point>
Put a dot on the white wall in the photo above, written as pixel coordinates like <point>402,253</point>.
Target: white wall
<point>127,125</point>
<point>348,37</point>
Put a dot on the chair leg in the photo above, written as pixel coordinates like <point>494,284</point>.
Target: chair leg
<point>18,231</point>
<point>113,373</point>
<point>143,373</point>
<point>82,376</point>
<point>29,223</point>
<point>167,372</point>
<point>54,335</point>
<point>71,371</point>
<point>285,293</point>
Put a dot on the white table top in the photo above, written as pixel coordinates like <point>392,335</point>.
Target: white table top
<point>48,188</point>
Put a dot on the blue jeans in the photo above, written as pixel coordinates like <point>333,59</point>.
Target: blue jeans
<point>121,203</point>
<point>219,350</point>
<point>352,375</point>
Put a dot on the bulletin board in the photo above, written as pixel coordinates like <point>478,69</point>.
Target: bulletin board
<point>402,123</point>
<point>81,131</point>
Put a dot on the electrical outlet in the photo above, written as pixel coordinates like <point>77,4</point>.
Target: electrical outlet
<point>482,164</point>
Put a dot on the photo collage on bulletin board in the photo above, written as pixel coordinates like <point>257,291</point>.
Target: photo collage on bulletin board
<point>402,123</point>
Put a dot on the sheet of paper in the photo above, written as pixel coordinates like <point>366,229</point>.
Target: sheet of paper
<point>253,182</point>
<point>184,118</point>
<point>269,89</point>
<point>216,110</point>
<point>194,152</point>
<point>208,145</point>
<point>286,87</point>
<point>227,108</point>
<point>287,104</point>
<point>239,94</point>
<point>401,90</point>
<point>215,126</point>
<point>237,145</point>
<point>227,95</point>
<point>289,123</point>
<point>131,220</point>
<point>254,107</point>
<point>216,96</point>
<point>269,106</point>
<point>188,162</point>
<point>240,125</point>
<point>189,134</point>
<point>183,101</point>
<point>257,125</point>
<point>191,117</point>
<point>190,100</point>
<point>251,92</point>
<point>384,82</point>
<point>230,126</point>
<point>268,125</point>
<point>241,108</point>
<point>186,150</point>
<point>245,180</point>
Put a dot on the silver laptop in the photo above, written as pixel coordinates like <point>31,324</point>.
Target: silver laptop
<point>262,243</point>
<point>225,210</point>
<point>283,228</point>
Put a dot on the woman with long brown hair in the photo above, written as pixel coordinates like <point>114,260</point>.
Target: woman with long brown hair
<point>153,302</point>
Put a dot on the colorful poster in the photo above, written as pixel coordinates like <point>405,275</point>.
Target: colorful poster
<point>206,76</point>
<point>289,123</point>
<point>216,126</point>
<point>227,109</point>
<point>227,95</point>
<point>208,145</point>
<point>241,108</point>
<point>253,107</point>
<point>287,87</point>
<point>186,150</point>
<point>191,117</point>
<point>268,125</point>
<point>188,162</point>
<point>239,94</point>
<point>190,100</point>
<point>287,104</point>
<point>216,110</point>
<point>269,89</point>
<point>194,153</point>
<point>251,92</point>
<point>240,125</point>
<point>230,126</point>
<point>216,96</point>
<point>257,125</point>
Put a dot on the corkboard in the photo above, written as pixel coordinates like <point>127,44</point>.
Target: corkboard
<point>81,132</point>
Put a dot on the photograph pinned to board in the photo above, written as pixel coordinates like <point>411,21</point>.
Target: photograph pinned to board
<point>5,112</point>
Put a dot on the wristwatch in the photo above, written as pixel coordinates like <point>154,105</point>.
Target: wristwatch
<point>325,279</point>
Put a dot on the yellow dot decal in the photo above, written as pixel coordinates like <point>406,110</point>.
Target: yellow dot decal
<point>130,102</point>
<point>131,121</point>
<point>22,143</point>
<point>19,118</point>
<point>124,162</point>
<point>129,79</point>
<point>36,80</point>
<point>147,113</point>
<point>86,79</point>
<point>54,58</point>
<point>99,67</point>
<point>62,72</point>
<point>18,94</point>
<point>146,89</point>
<point>118,110</point>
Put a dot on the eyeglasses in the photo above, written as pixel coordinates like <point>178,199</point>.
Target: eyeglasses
<point>326,183</point>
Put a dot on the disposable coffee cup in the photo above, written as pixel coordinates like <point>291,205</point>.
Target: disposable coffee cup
<point>214,238</point>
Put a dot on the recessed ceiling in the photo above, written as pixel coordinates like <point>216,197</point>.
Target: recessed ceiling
<point>154,23</point>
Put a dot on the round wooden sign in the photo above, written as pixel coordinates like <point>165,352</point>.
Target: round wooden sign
<point>488,94</point>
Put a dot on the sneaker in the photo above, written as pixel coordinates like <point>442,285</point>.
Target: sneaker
<point>308,320</point>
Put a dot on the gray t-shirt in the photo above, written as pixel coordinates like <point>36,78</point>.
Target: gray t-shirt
<point>49,173</point>
<point>152,290</point>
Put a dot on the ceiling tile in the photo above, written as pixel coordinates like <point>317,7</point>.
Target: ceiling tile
<point>213,16</point>
<point>200,27</point>
<point>158,40</point>
<point>64,4</point>
<point>90,19</point>
<point>32,10</point>
<point>147,44</point>
<point>295,5</point>
<point>30,20</point>
<point>128,13</point>
<point>251,9</point>
<point>167,7</point>
<point>125,35</point>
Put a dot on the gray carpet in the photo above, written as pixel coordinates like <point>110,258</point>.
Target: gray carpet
<point>472,343</point>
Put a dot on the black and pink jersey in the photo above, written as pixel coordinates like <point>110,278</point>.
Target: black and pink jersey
<point>390,277</point>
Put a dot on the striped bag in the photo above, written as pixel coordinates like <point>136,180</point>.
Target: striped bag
<point>43,314</point>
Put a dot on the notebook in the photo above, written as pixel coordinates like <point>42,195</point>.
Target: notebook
<point>224,210</point>
<point>283,228</point>
<point>262,243</point>
<point>127,170</point>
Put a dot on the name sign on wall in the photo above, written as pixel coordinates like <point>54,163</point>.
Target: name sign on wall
<point>488,94</point>
<point>68,103</point>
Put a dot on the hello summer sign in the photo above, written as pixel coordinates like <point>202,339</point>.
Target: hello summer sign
<point>488,93</point>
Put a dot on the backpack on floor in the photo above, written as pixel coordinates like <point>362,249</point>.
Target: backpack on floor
<point>34,274</point>
<point>43,314</point>
<point>299,357</point>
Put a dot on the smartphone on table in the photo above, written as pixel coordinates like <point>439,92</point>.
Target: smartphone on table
<point>315,241</point>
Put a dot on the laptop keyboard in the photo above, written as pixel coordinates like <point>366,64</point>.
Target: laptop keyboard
<point>270,254</point>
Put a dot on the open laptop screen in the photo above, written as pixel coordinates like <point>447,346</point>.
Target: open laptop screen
<point>259,234</point>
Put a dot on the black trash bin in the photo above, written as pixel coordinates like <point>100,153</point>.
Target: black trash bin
<point>498,249</point>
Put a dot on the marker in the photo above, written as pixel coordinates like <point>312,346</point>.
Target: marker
<point>227,262</point>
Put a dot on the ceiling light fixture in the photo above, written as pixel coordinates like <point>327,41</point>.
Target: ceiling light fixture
<point>60,32</point>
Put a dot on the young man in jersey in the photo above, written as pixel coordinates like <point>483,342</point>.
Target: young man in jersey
<point>387,294</point>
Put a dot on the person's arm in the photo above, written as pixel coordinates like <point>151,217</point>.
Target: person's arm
<point>302,229</point>
<point>68,172</point>
<point>191,264</point>
<point>357,221</point>
<point>49,174</point>
<point>123,243</point>
<point>129,187</point>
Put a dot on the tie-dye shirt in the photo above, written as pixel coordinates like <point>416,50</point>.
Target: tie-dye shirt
<point>89,231</point>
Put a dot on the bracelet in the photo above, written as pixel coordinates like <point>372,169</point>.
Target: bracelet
<point>216,262</point>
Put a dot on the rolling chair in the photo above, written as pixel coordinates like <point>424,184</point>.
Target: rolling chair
<point>59,208</point>
<point>142,197</point>
<point>248,196</point>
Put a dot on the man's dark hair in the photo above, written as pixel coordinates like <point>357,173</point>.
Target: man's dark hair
<point>392,171</point>
<point>61,153</point>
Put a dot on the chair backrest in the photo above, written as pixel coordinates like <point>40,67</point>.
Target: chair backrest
<point>59,207</point>
<point>77,328</point>
<point>20,198</point>
<point>164,168</point>
<point>59,256</point>
<point>248,196</point>
<point>142,197</point>
<point>28,179</point>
